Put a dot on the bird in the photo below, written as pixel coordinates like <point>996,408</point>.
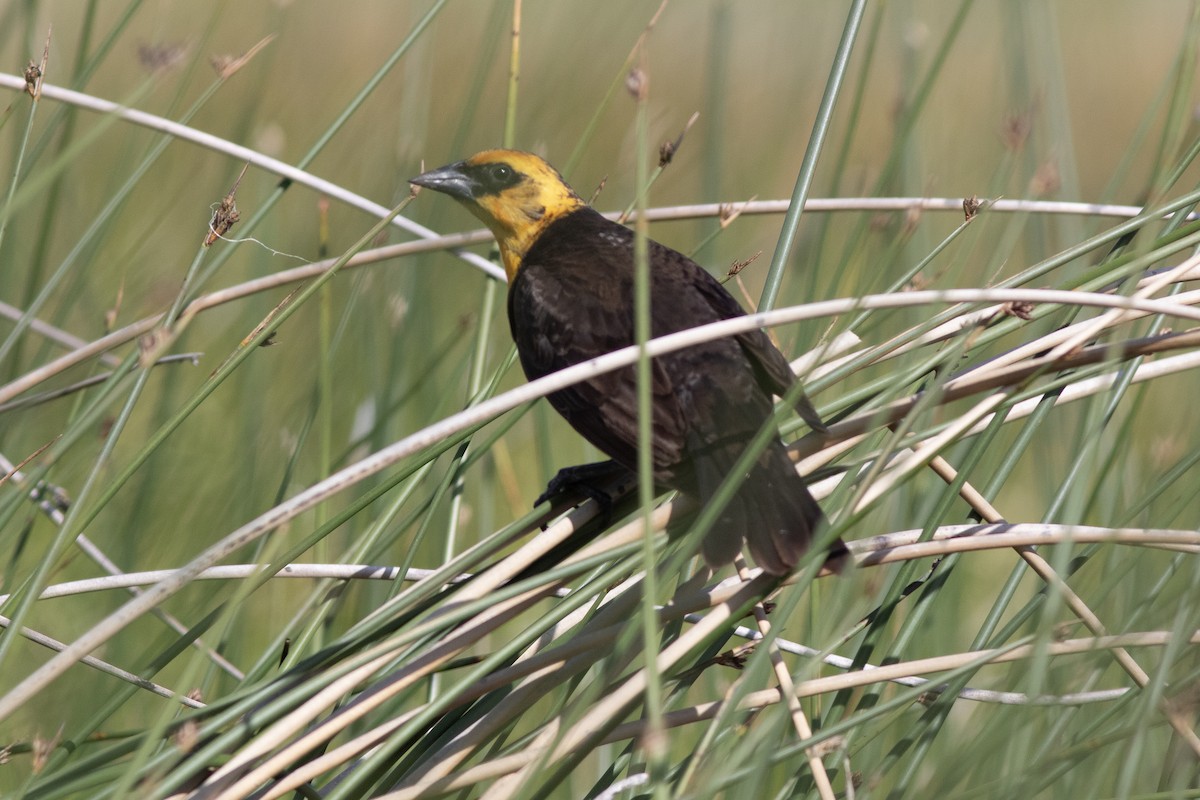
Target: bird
<point>570,277</point>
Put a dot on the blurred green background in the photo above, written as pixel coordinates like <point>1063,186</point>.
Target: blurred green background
<point>1083,100</point>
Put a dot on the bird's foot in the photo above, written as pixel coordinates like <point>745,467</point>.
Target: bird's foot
<point>602,481</point>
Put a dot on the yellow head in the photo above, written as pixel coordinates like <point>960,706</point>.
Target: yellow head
<point>516,194</point>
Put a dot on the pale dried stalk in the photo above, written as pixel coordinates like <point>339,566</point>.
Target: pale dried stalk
<point>921,454</point>
<point>1146,288</point>
<point>788,691</point>
<point>826,685</point>
<point>970,320</point>
<point>1093,386</point>
<point>851,429</point>
<point>578,654</point>
<point>403,679</point>
<point>1078,607</point>
<point>461,639</point>
<point>619,699</point>
<point>298,720</point>
<point>972,538</point>
<point>863,551</point>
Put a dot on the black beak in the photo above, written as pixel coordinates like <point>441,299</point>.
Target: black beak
<point>451,180</point>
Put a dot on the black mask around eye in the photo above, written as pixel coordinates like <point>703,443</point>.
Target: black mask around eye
<point>495,178</point>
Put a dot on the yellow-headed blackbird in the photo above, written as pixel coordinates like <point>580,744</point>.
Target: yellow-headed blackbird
<point>570,298</point>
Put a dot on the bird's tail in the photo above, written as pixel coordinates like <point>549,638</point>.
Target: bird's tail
<point>772,512</point>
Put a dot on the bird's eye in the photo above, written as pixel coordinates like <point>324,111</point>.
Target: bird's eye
<point>495,177</point>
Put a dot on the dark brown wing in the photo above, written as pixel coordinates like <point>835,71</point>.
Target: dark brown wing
<point>772,370</point>
<point>572,300</point>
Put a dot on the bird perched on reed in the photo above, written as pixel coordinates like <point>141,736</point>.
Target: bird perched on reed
<point>571,298</point>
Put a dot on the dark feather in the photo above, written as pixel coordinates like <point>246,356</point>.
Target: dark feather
<point>572,300</point>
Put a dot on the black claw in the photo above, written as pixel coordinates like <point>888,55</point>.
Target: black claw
<point>592,481</point>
